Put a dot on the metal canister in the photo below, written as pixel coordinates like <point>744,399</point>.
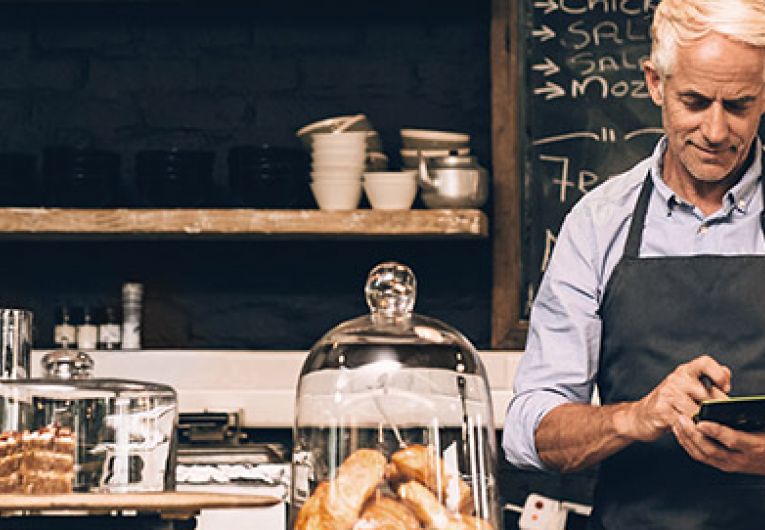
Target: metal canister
<point>15,343</point>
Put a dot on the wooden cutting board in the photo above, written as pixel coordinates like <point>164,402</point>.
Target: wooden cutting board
<point>187,502</point>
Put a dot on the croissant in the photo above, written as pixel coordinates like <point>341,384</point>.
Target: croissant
<point>311,515</point>
<point>425,505</point>
<point>356,480</point>
<point>422,464</point>
<point>387,514</point>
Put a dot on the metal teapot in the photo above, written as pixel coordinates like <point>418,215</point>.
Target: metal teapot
<point>454,181</point>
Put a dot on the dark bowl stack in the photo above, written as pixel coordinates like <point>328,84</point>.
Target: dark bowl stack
<point>19,184</point>
<point>175,178</point>
<point>268,177</point>
<point>82,177</point>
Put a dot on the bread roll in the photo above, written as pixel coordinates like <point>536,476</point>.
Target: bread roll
<point>357,478</point>
<point>425,505</point>
<point>387,514</point>
<point>422,464</point>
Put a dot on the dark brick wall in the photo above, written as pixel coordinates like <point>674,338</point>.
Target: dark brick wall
<point>202,75</point>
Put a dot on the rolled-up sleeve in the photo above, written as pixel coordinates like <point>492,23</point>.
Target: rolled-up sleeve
<point>560,361</point>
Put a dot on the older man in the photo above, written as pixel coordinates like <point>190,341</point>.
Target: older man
<point>658,282</point>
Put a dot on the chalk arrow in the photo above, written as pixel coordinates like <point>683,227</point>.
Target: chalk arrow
<point>544,33</point>
<point>550,90</point>
<point>548,5</point>
<point>547,68</point>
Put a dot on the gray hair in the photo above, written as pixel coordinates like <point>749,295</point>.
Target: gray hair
<point>679,22</point>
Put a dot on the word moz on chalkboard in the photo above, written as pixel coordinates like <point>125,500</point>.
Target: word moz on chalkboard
<point>586,113</point>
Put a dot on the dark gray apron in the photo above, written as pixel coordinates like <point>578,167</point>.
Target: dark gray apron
<point>659,312</point>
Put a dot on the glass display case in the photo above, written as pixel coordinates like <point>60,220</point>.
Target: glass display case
<point>72,433</point>
<point>393,424</point>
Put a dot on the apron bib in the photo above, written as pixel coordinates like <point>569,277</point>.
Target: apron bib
<point>657,313</point>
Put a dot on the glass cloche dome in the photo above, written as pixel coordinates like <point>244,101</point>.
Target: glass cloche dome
<point>393,422</point>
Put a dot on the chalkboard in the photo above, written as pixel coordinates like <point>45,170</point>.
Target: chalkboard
<point>586,114</point>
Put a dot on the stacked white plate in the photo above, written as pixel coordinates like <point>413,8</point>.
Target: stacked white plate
<point>338,160</point>
<point>431,144</point>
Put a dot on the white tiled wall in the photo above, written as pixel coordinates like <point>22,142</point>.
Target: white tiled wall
<point>260,384</point>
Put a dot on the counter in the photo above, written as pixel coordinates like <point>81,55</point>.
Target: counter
<point>258,384</point>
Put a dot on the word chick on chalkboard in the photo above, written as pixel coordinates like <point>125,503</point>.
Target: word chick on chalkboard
<point>587,114</point>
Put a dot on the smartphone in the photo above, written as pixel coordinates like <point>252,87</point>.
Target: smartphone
<point>745,413</point>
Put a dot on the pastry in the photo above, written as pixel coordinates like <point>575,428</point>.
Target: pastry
<point>336,505</point>
<point>357,478</point>
<point>421,463</point>
<point>11,453</point>
<point>466,522</point>
<point>387,514</point>
<point>311,515</point>
<point>425,505</point>
<point>40,461</point>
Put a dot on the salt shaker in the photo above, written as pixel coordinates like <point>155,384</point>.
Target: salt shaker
<point>109,330</point>
<point>87,332</point>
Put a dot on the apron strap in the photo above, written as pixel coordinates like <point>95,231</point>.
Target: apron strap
<point>635,235</point>
<point>762,214</point>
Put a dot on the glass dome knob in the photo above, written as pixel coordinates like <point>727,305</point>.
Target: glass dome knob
<point>391,290</point>
<point>67,364</point>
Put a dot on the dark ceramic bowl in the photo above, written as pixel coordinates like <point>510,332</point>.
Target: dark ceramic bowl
<point>80,177</point>
<point>175,178</point>
<point>268,177</point>
<point>19,183</point>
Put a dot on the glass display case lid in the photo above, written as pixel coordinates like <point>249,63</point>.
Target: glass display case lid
<point>69,376</point>
<point>392,331</point>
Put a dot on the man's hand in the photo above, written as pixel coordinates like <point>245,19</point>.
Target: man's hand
<point>722,447</point>
<point>678,396</point>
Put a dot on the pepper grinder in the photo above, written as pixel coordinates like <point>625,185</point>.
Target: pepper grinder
<point>132,294</point>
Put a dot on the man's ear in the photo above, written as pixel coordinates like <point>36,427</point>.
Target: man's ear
<point>654,83</point>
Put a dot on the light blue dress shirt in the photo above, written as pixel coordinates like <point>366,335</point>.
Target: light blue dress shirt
<point>560,362</point>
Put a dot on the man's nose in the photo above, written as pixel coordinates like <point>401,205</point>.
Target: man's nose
<point>715,126</point>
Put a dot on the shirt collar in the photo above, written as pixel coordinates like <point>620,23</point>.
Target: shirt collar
<point>739,196</point>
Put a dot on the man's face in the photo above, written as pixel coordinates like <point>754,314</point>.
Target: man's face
<point>711,107</point>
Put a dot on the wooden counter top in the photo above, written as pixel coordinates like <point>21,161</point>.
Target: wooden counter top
<point>178,503</point>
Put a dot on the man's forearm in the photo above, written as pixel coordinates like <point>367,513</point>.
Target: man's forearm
<point>575,436</point>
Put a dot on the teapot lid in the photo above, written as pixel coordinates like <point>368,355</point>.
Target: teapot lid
<point>453,160</point>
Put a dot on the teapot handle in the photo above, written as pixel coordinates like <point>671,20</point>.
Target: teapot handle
<point>425,180</point>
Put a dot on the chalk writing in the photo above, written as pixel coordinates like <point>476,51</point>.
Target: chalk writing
<point>586,111</point>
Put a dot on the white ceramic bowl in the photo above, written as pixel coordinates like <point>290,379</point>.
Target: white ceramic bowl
<point>427,139</point>
<point>344,168</point>
<point>343,139</point>
<point>339,157</point>
<point>390,176</point>
<point>336,175</point>
<point>391,194</point>
<point>352,122</point>
<point>337,194</point>
<point>411,157</point>
<point>376,161</point>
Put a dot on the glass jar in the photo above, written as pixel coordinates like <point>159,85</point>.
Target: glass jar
<point>69,432</point>
<point>393,422</point>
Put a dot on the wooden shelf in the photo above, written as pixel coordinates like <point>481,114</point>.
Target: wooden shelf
<point>179,503</point>
<point>31,223</point>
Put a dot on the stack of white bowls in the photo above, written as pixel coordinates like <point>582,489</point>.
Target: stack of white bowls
<point>391,190</point>
<point>431,144</point>
<point>337,162</point>
<point>376,158</point>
